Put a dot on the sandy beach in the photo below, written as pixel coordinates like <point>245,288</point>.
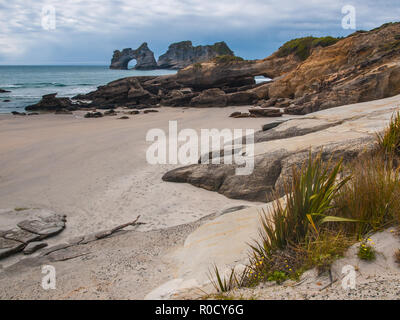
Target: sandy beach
<point>95,170</point>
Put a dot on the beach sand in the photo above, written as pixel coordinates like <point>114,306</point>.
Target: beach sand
<point>95,170</point>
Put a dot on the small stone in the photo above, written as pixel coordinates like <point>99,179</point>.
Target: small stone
<point>272,125</point>
<point>34,246</point>
<point>93,115</point>
<point>235,114</point>
<point>150,110</point>
<point>123,117</point>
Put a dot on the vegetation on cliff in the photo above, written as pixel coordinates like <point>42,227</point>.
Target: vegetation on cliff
<point>227,59</point>
<point>302,47</point>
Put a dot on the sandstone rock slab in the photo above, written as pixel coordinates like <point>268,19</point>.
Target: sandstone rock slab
<point>21,235</point>
<point>34,246</point>
<point>42,228</point>
<point>8,247</point>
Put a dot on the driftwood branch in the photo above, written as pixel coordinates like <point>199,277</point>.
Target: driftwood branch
<point>107,233</point>
<point>134,222</point>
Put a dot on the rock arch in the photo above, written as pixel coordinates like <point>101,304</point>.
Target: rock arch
<point>143,56</point>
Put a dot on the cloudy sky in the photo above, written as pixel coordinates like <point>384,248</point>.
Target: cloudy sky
<point>87,31</point>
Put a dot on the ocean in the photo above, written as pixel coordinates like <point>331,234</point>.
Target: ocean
<point>29,83</point>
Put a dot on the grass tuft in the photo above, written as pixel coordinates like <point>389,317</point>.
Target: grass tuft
<point>389,140</point>
<point>372,196</point>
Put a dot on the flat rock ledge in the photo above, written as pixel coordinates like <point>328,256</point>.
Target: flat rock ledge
<point>343,132</point>
<point>24,228</point>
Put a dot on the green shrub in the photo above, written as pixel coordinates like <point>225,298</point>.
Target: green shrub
<point>278,277</point>
<point>308,199</point>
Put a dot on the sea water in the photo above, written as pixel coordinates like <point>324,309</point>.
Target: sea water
<point>29,83</point>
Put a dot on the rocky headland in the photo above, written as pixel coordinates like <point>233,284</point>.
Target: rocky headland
<point>328,73</point>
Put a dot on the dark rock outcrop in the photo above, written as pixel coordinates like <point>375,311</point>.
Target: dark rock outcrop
<point>4,91</point>
<point>93,115</point>
<point>143,55</point>
<point>50,102</point>
<point>182,54</point>
<point>210,98</point>
<point>265,112</point>
<point>16,113</point>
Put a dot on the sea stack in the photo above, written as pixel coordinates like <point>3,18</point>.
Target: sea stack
<point>182,54</point>
<point>143,55</point>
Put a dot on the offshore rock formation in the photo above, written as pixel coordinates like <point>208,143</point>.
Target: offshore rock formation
<point>143,55</point>
<point>182,54</point>
<point>178,56</point>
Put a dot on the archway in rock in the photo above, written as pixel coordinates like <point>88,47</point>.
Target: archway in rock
<point>132,64</point>
<point>143,56</point>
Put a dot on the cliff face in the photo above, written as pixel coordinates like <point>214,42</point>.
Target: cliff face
<point>143,55</point>
<point>183,54</point>
<point>362,67</point>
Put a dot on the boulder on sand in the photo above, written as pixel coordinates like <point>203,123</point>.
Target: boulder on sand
<point>210,98</point>
<point>265,112</point>
<point>93,115</point>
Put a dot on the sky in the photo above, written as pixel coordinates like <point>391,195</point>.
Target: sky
<point>88,31</point>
